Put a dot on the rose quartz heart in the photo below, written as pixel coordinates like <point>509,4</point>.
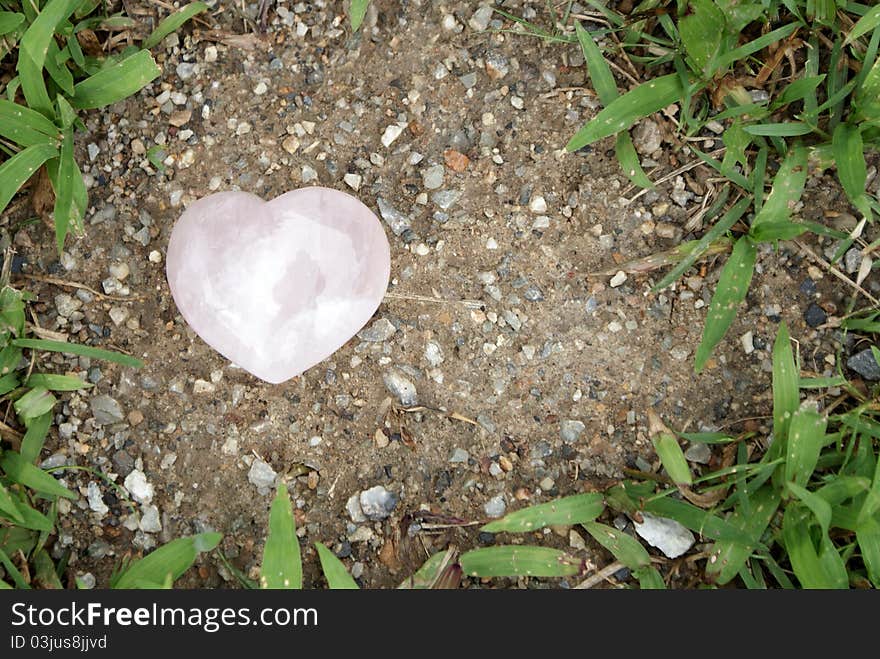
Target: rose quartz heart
<point>278,286</point>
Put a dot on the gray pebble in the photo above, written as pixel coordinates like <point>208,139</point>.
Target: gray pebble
<point>106,410</point>
<point>401,387</point>
<point>379,331</point>
<point>445,199</point>
<point>865,365</point>
<point>459,456</point>
<point>852,260</point>
<point>571,430</point>
<point>432,178</point>
<point>480,20</point>
<point>185,70</point>
<point>495,507</point>
<point>377,503</point>
<point>149,522</point>
<point>397,221</point>
<point>699,453</point>
<point>261,474</point>
<point>96,501</point>
<point>353,508</point>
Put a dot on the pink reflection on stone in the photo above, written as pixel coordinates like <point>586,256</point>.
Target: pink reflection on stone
<point>278,286</point>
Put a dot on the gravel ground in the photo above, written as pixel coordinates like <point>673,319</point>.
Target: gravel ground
<point>453,133</point>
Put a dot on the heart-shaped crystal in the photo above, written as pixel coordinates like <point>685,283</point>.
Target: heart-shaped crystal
<point>278,286</point>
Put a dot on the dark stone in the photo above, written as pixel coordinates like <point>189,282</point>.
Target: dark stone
<point>815,315</point>
<point>486,538</point>
<point>808,287</point>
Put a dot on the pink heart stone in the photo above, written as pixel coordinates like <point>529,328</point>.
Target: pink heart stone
<point>278,286</point>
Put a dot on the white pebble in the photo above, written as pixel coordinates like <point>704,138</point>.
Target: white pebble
<point>618,279</point>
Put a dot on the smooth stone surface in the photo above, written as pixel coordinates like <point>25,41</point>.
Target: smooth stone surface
<point>665,534</point>
<point>277,287</point>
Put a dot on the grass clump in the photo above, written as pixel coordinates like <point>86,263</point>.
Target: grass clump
<point>792,84</point>
<point>56,68</point>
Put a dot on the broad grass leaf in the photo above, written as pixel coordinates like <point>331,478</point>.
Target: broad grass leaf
<point>171,559</point>
<point>10,21</point>
<point>116,82</point>
<point>337,576</point>
<point>788,185</point>
<point>282,564</point>
<point>672,457</point>
<point>54,382</point>
<point>34,403</point>
<point>727,557</point>
<point>33,477</point>
<point>701,32</point>
<point>172,23</point>
<point>16,171</point>
<point>358,11</point>
<point>574,509</point>
<point>519,561</point>
<point>26,127</point>
<point>785,389</point>
<point>806,437</point>
<point>624,548</point>
<point>32,442</point>
<point>849,156</point>
<point>626,110</point>
<point>733,284</point>
<point>865,24</point>
<point>822,568</point>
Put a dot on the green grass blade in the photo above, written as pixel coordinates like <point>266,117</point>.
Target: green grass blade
<point>77,349</point>
<point>822,569</point>
<point>58,70</point>
<point>806,437</point>
<point>865,24</point>
<point>731,291</point>
<point>20,167</point>
<point>600,72</point>
<point>672,457</point>
<point>696,519</point>
<point>358,11</point>
<point>788,185</point>
<point>57,382</point>
<point>868,537</point>
<point>25,126</point>
<point>33,49</point>
<point>626,110</point>
<point>13,572</point>
<point>32,519</point>
<point>337,576</point>
<point>33,440</point>
<point>574,509</point>
<point>786,129</point>
<point>731,56</point>
<point>519,561</point>
<point>798,90</point>
<point>785,390</point>
<point>34,403</point>
<point>173,558</point>
<point>701,32</point>
<point>726,557</point>
<point>721,227</point>
<point>432,572</point>
<point>629,161</point>
<point>172,23</point>
<point>8,507</point>
<point>282,565</point>
<point>30,476</point>
<point>649,579</point>
<point>116,82</point>
<point>10,21</point>
<point>63,185</point>
<point>849,156</point>
<point>625,548</point>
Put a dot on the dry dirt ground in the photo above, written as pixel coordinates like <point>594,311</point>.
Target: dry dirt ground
<point>550,367</point>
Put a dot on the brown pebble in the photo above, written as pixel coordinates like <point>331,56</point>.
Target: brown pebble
<point>135,417</point>
<point>456,161</point>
